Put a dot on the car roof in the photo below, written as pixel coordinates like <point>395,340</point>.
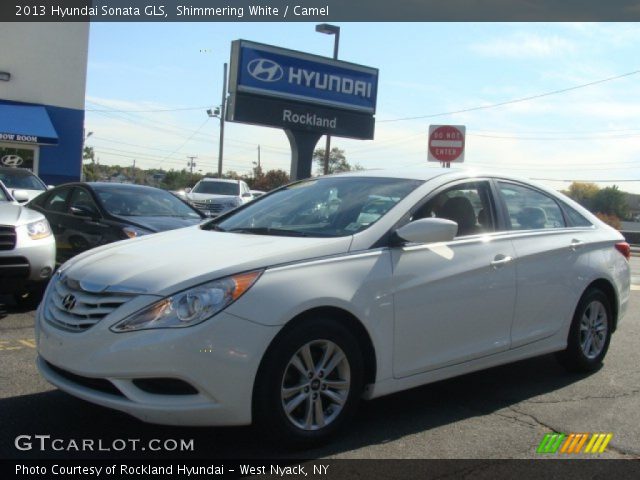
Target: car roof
<point>19,171</point>
<point>225,180</point>
<point>431,172</point>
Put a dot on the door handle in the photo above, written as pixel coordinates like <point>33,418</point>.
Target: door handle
<point>500,261</point>
<point>576,244</point>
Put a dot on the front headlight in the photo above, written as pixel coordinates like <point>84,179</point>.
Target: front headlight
<point>134,232</point>
<point>39,229</point>
<point>192,306</point>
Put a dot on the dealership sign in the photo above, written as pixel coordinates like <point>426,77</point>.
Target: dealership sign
<point>446,143</point>
<point>19,138</point>
<point>302,77</point>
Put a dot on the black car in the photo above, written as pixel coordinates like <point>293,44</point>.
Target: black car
<point>87,215</point>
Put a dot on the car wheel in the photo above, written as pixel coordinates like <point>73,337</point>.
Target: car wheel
<point>309,383</point>
<point>590,333</point>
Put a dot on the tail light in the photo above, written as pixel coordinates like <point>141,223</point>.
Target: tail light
<point>624,249</point>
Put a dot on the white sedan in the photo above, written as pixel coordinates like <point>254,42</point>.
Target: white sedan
<point>290,309</point>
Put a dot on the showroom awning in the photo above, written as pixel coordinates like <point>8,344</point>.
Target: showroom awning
<point>26,124</point>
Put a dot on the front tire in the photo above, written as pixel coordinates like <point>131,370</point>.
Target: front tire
<point>309,383</point>
<point>590,333</point>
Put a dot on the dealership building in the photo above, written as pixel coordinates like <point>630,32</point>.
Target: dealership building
<point>43,71</point>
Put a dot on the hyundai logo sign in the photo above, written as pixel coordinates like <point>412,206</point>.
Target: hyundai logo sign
<point>11,161</point>
<point>265,70</point>
<point>301,77</point>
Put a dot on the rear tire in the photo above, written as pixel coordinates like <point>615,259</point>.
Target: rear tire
<point>590,333</point>
<point>309,383</point>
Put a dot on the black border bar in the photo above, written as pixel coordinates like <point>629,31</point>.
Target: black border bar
<point>319,10</point>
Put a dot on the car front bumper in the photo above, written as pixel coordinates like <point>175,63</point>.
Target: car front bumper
<point>30,262</point>
<point>219,358</point>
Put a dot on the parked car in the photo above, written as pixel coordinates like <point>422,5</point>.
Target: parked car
<point>22,179</point>
<point>27,249</point>
<point>215,196</point>
<point>87,215</point>
<point>290,309</point>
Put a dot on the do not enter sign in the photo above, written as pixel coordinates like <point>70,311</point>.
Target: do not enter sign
<point>446,143</point>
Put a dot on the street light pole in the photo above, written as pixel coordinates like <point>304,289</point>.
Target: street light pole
<point>329,30</point>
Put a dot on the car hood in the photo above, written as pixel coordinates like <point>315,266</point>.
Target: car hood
<point>161,224</point>
<point>168,262</point>
<point>198,197</point>
<point>14,214</point>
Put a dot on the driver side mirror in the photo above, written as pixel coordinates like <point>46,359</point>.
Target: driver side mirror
<point>428,230</point>
<point>187,190</point>
<point>247,195</point>
<point>21,196</point>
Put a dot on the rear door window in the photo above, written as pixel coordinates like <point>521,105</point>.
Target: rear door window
<point>530,209</point>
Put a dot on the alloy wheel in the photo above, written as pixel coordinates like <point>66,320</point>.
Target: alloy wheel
<point>315,385</point>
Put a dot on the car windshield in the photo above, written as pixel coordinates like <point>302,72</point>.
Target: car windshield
<point>217,188</point>
<point>21,179</point>
<point>326,207</point>
<point>3,196</point>
<point>142,202</point>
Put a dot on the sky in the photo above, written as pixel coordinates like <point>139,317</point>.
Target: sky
<point>149,86</point>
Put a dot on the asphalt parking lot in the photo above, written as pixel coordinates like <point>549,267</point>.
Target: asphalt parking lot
<point>500,413</point>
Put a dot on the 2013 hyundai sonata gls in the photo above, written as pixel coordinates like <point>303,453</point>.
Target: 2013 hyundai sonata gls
<point>291,308</point>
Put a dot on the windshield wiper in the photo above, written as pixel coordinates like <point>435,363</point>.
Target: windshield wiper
<point>269,231</point>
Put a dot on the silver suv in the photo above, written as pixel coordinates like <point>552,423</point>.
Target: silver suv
<point>22,179</point>
<point>215,196</point>
<point>27,249</point>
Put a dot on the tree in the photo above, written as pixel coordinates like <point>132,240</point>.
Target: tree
<point>611,201</point>
<point>583,193</point>
<point>270,180</point>
<point>337,161</point>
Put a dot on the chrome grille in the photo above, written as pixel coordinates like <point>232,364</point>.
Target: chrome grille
<point>71,308</point>
<point>210,207</point>
<point>7,238</point>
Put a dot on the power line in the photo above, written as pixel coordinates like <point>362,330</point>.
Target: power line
<point>517,100</point>
<point>184,109</point>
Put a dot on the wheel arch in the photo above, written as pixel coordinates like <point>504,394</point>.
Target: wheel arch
<point>352,323</point>
<point>609,290</point>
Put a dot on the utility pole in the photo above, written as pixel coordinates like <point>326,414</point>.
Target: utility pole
<point>258,156</point>
<point>191,163</point>
<point>223,108</point>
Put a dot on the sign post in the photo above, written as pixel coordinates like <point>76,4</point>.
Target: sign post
<point>306,95</point>
<point>446,144</point>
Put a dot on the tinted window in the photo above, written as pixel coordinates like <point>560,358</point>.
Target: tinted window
<point>217,188</point>
<point>467,204</point>
<point>57,200</point>
<point>142,202</point>
<point>81,198</point>
<point>530,209</point>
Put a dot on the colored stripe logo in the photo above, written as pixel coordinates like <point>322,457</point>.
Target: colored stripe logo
<point>574,443</point>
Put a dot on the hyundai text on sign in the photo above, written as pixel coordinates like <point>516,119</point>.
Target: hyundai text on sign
<point>446,143</point>
<point>298,76</point>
